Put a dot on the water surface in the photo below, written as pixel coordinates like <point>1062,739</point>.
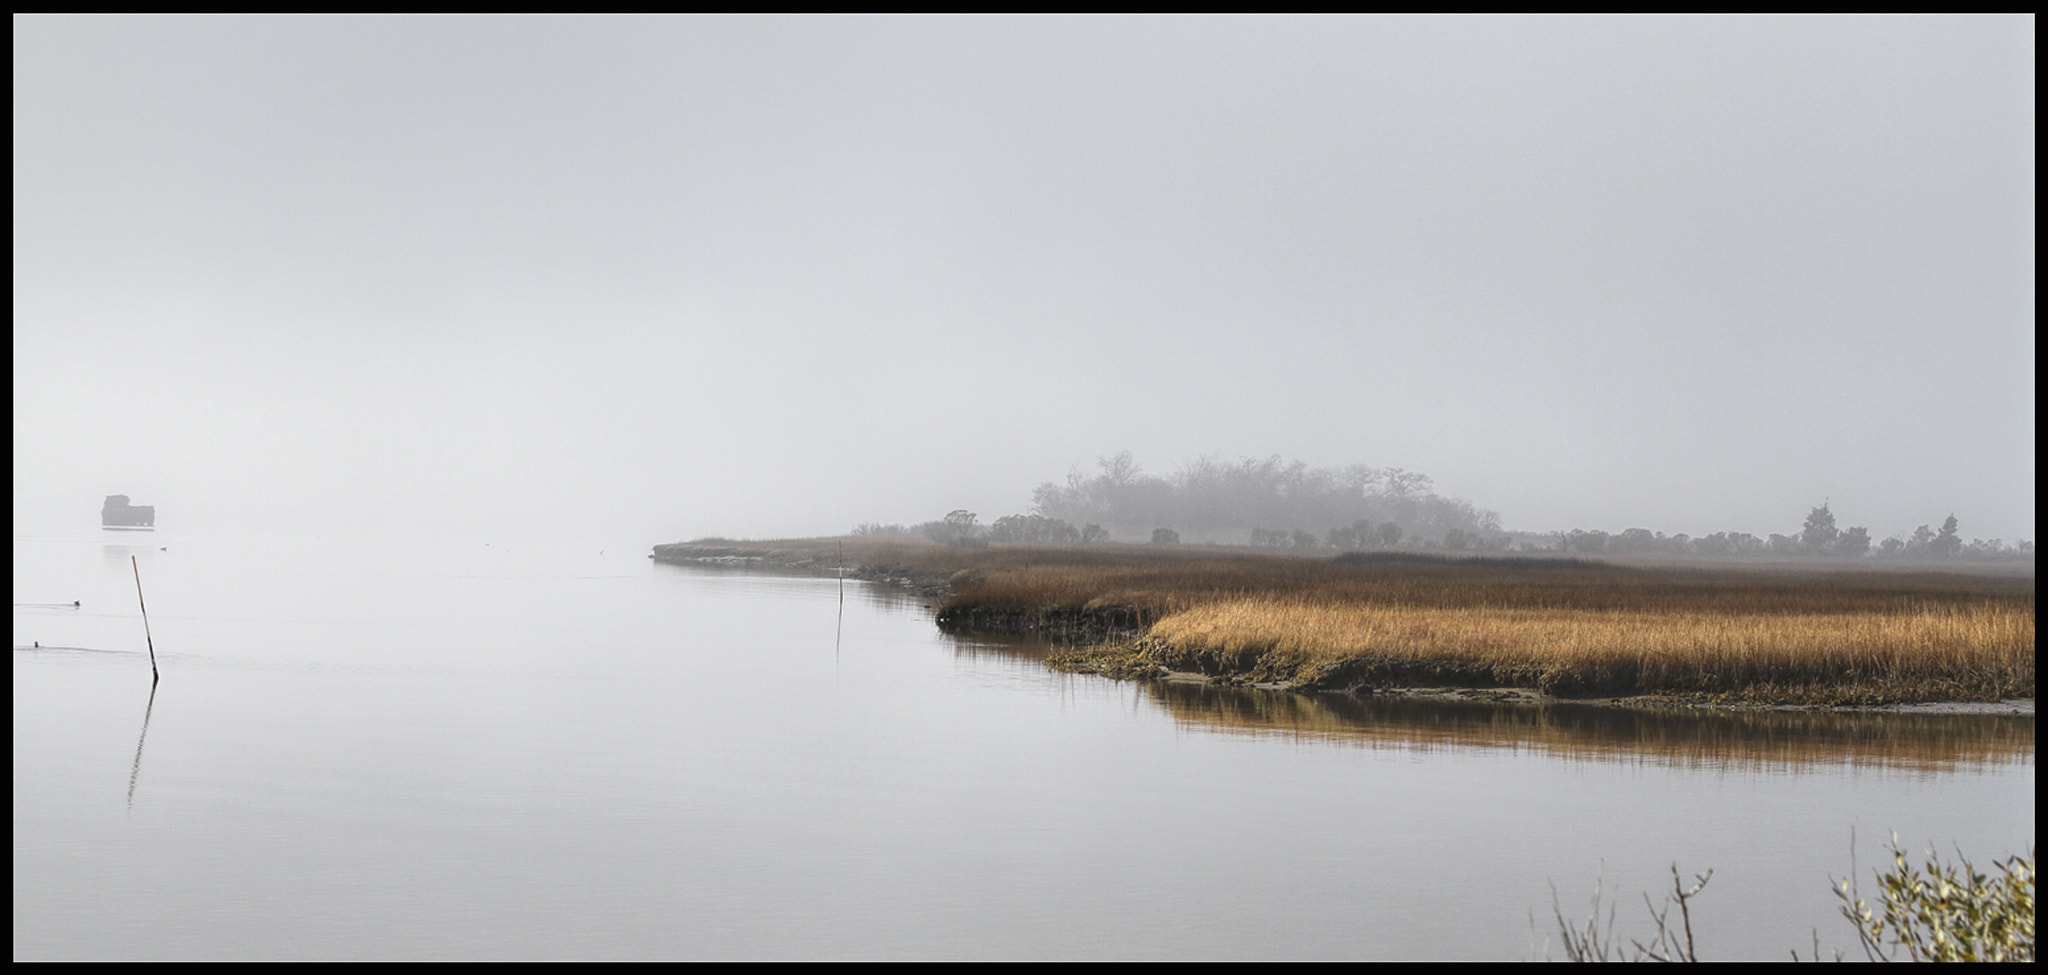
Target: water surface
<point>493,748</point>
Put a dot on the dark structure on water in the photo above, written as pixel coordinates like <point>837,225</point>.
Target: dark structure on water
<point>118,513</point>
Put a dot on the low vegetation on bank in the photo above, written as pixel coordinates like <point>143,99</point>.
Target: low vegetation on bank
<point>1946,911</point>
<point>1568,627</point>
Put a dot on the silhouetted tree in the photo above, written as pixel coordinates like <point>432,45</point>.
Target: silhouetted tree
<point>1220,500</point>
<point>1118,469</point>
<point>1854,542</point>
<point>1819,534</point>
<point>1356,535</point>
<point>1947,544</point>
<point>1032,528</point>
<point>1579,540</point>
<point>1633,540</point>
<point>1921,544</point>
<point>956,528</point>
<point>1404,484</point>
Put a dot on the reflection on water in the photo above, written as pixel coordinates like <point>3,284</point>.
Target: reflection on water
<point>1000,646</point>
<point>1699,738</point>
<point>135,770</point>
<point>1689,738</point>
<point>414,750</point>
<point>875,595</point>
<point>116,557</point>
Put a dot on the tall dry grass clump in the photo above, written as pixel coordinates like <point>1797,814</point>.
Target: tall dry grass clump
<point>1563,626</point>
<point>1947,653</point>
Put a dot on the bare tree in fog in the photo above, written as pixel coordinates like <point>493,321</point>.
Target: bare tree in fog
<point>1281,504</point>
<point>1267,502</point>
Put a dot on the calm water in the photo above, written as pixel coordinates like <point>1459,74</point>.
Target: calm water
<point>458,750</point>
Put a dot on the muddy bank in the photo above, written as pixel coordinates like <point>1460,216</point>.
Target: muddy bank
<point>1147,658</point>
<point>1144,658</point>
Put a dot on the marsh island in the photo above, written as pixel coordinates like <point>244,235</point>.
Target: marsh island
<point>1546,626</point>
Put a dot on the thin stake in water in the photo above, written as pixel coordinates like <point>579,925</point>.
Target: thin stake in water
<point>153,675</point>
<point>839,628</point>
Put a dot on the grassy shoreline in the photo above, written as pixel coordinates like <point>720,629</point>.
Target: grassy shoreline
<point>1798,634</point>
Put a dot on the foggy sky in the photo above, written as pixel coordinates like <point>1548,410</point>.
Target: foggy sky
<point>658,278</point>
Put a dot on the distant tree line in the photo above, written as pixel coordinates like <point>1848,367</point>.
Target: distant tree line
<point>1818,537</point>
<point>1270,503</point>
<point>1267,502</point>
<point>963,527</point>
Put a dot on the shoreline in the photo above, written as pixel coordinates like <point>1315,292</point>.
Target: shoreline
<point>1530,697</point>
<point>1114,640</point>
<point>1124,661</point>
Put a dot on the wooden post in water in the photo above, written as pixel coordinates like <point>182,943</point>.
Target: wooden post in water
<point>839,627</point>
<point>153,675</point>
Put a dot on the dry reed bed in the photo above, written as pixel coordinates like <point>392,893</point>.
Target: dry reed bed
<point>1785,633</point>
<point>1970,652</point>
<point>1563,627</point>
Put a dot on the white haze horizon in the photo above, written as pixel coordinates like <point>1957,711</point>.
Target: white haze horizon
<point>649,279</point>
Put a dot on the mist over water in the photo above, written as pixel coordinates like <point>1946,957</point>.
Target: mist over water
<point>419,749</point>
<point>675,277</point>
<point>419,332</point>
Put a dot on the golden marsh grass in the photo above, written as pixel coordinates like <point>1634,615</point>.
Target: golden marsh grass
<point>1966,652</point>
<point>1785,633</point>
